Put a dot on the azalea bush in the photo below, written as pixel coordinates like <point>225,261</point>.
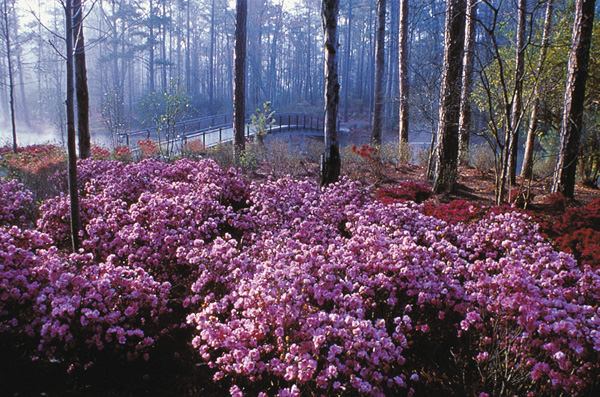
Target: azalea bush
<point>286,288</point>
<point>413,191</point>
<point>339,294</point>
<point>16,203</point>
<point>577,231</point>
<point>35,166</point>
<point>73,309</point>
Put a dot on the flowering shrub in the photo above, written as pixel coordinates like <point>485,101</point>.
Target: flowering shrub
<point>334,292</point>
<point>35,159</point>
<point>194,149</point>
<point>35,167</point>
<point>413,191</point>
<point>148,148</point>
<point>73,308</point>
<point>100,153</point>
<point>456,211</point>
<point>146,214</point>
<point>556,201</point>
<point>358,160</point>
<point>578,232</point>
<point>15,202</point>
<point>288,288</point>
<point>123,154</point>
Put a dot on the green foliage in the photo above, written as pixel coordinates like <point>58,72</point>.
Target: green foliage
<point>251,156</point>
<point>261,121</point>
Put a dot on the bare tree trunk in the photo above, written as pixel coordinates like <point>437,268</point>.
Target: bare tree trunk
<point>71,147</point>
<point>83,101</point>
<point>403,74</point>
<point>330,162</point>
<point>379,69</point>
<point>517,105</point>
<point>24,107</point>
<point>211,61</point>
<point>239,84</point>
<point>11,80</point>
<point>527,168</point>
<point>570,131</point>
<point>151,48</point>
<point>347,62</point>
<point>447,135</point>
<point>464,123</point>
<point>392,82</point>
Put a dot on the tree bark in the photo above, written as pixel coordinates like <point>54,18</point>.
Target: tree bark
<point>379,70</point>
<point>83,101</point>
<point>11,79</point>
<point>330,162</point>
<point>151,48</point>
<point>392,81</point>
<point>517,105</point>
<point>464,123</point>
<point>239,83</point>
<point>71,146</point>
<point>572,119</point>
<point>347,62</point>
<point>211,61</point>
<point>527,168</point>
<point>447,135</point>
<point>403,73</point>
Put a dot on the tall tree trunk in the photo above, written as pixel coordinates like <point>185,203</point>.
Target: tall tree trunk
<point>151,41</point>
<point>527,168</point>
<point>11,80</point>
<point>447,135</point>
<point>24,107</point>
<point>392,81</point>
<point>308,82</point>
<point>163,48</point>
<point>330,163</point>
<point>239,84</point>
<point>71,146</point>
<point>83,101</point>
<point>211,60</point>
<point>570,130</point>
<point>188,67</point>
<point>517,105</point>
<point>379,69</point>
<point>464,123</point>
<point>403,116</point>
<point>347,61</point>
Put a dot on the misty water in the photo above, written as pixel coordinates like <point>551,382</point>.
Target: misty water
<point>39,134</point>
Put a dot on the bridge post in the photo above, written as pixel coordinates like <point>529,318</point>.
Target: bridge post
<point>220,134</point>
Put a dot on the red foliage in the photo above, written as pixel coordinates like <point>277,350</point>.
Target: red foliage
<point>412,191</point>
<point>456,211</point>
<point>364,151</point>
<point>577,232</point>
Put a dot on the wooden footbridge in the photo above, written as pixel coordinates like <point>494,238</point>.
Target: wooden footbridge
<point>213,130</point>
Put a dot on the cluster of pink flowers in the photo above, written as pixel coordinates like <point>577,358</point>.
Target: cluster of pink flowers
<point>70,308</point>
<point>288,288</point>
<point>336,292</point>
<point>15,200</point>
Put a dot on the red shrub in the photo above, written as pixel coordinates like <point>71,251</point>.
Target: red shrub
<point>412,191</point>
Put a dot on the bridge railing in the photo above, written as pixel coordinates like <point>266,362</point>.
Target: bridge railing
<point>218,129</point>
